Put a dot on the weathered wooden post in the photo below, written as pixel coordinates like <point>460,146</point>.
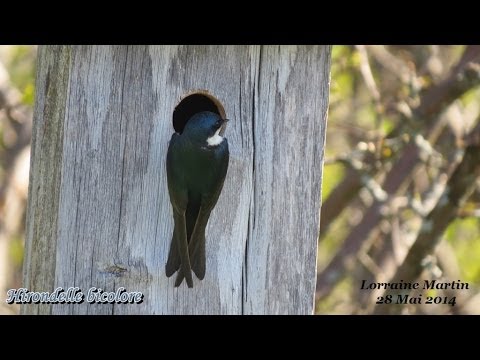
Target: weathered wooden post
<point>99,212</point>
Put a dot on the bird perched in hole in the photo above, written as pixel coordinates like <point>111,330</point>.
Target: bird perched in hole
<point>197,162</point>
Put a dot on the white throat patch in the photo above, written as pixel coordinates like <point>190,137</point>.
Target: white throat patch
<point>215,140</point>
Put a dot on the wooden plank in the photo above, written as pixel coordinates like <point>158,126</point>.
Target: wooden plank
<point>45,174</point>
<point>92,173</point>
<point>147,222</point>
<point>290,123</point>
<point>114,216</point>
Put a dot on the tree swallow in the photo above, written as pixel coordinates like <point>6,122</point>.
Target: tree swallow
<point>197,162</point>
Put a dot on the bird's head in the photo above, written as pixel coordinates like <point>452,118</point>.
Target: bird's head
<point>204,128</point>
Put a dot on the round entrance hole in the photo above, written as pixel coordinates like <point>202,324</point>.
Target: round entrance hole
<point>192,104</point>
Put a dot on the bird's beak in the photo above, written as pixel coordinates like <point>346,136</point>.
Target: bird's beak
<point>224,123</point>
<point>223,126</point>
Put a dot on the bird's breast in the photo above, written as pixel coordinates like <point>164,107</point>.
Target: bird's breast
<point>201,168</point>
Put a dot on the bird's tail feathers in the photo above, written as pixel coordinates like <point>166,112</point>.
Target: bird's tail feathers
<point>181,276</point>
<point>173,262</point>
<point>197,257</point>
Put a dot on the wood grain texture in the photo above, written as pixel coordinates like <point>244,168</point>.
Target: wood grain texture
<point>108,221</point>
<point>289,137</point>
<point>45,172</point>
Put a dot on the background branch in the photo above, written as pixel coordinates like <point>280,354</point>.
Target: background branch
<point>459,187</point>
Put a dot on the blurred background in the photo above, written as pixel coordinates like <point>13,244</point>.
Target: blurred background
<point>399,122</point>
<point>17,86</point>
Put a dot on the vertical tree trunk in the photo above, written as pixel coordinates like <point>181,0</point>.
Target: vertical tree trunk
<point>99,212</point>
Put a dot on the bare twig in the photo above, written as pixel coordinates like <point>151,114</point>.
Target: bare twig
<point>366,72</point>
<point>392,63</point>
<point>340,196</point>
<point>459,187</point>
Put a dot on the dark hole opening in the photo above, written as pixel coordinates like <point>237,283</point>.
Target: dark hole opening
<point>191,105</point>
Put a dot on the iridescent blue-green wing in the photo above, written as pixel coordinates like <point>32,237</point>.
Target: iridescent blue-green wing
<point>197,244</point>
<point>178,257</point>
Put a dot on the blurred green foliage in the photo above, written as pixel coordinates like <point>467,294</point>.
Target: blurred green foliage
<point>354,117</point>
<point>16,251</point>
<point>464,236</point>
<point>18,87</point>
<point>20,64</point>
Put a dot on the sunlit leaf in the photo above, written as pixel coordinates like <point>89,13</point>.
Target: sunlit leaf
<point>28,97</point>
